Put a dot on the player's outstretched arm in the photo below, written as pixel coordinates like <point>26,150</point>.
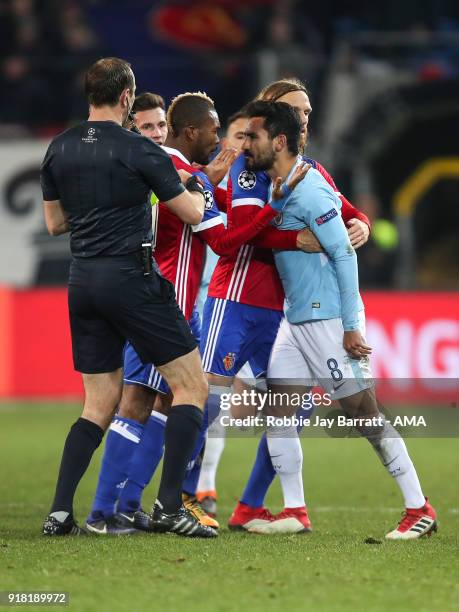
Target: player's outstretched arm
<point>223,241</point>
<point>306,241</point>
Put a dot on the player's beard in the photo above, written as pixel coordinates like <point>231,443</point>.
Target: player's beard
<point>303,141</point>
<point>264,161</point>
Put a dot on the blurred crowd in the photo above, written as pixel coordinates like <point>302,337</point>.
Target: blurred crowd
<point>45,46</point>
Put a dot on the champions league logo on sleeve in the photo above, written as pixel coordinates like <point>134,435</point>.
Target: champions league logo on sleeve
<point>208,200</point>
<point>278,219</point>
<point>247,179</point>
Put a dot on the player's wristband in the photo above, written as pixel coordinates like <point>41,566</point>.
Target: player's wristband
<point>280,204</point>
<point>193,184</point>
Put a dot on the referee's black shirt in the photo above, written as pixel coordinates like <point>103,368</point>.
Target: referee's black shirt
<point>103,174</point>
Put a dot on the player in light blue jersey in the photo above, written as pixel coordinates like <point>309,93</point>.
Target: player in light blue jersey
<point>321,340</point>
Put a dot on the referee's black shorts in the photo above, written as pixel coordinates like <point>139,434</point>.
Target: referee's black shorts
<point>111,301</point>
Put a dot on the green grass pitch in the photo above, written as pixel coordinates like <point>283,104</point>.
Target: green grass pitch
<point>349,495</point>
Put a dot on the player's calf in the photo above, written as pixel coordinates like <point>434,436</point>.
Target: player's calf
<point>419,518</point>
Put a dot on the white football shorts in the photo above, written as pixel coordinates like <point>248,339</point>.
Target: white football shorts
<point>312,353</point>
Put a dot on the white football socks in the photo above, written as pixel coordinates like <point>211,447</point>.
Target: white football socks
<point>215,444</point>
<point>287,459</point>
<point>393,453</point>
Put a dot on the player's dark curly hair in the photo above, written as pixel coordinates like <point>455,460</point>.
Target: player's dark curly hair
<point>188,109</point>
<point>280,118</point>
<point>106,80</point>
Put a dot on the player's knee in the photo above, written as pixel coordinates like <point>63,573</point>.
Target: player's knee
<point>137,411</point>
<point>191,390</point>
<point>136,403</point>
<point>201,388</point>
<point>362,405</point>
<point>102,401</point>
<point>162,403</point>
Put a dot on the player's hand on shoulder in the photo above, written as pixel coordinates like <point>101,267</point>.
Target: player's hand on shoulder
<point>219,167</point>
<point>354,344</point>
<point>358,232</point>
<point>300,172</point>
<point>184,175</point>
<point>282,190</point>
<point>306,241</point>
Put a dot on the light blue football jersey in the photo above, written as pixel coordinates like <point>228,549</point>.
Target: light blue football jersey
<point>318,285</point>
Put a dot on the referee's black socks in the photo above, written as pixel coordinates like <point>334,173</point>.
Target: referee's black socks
<point>83,439</point>
<point>182,430</point>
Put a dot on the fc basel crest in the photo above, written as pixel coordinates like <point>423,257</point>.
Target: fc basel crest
<point>229,360</point>
<point>247,179</point>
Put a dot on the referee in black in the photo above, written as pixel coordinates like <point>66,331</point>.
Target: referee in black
<point>96,179</point>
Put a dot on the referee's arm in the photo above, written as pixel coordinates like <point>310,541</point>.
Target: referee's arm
<point>179,191</point>
<point>55,217</point>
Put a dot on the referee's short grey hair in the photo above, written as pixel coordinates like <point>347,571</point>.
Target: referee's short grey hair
<point>106,80</point>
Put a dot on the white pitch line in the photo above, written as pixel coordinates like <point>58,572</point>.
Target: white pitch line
<point>351,509</point>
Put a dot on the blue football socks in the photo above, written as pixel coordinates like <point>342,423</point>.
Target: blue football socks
<point>122,440</point>
<point>144,462</point>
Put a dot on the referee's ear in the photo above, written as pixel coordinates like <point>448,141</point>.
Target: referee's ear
<point>125,101</point>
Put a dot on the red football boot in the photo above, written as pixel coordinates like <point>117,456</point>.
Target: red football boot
<point>290,520</point>
<point>245,518</point>
<point>415,523</point>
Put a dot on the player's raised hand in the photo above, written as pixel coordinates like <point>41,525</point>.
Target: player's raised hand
<point>217,169</point>
<point>300,172</point>
<point>279,190</point>
<point>354,344</point>
<point>358,232</point>
<point>307,242</point>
